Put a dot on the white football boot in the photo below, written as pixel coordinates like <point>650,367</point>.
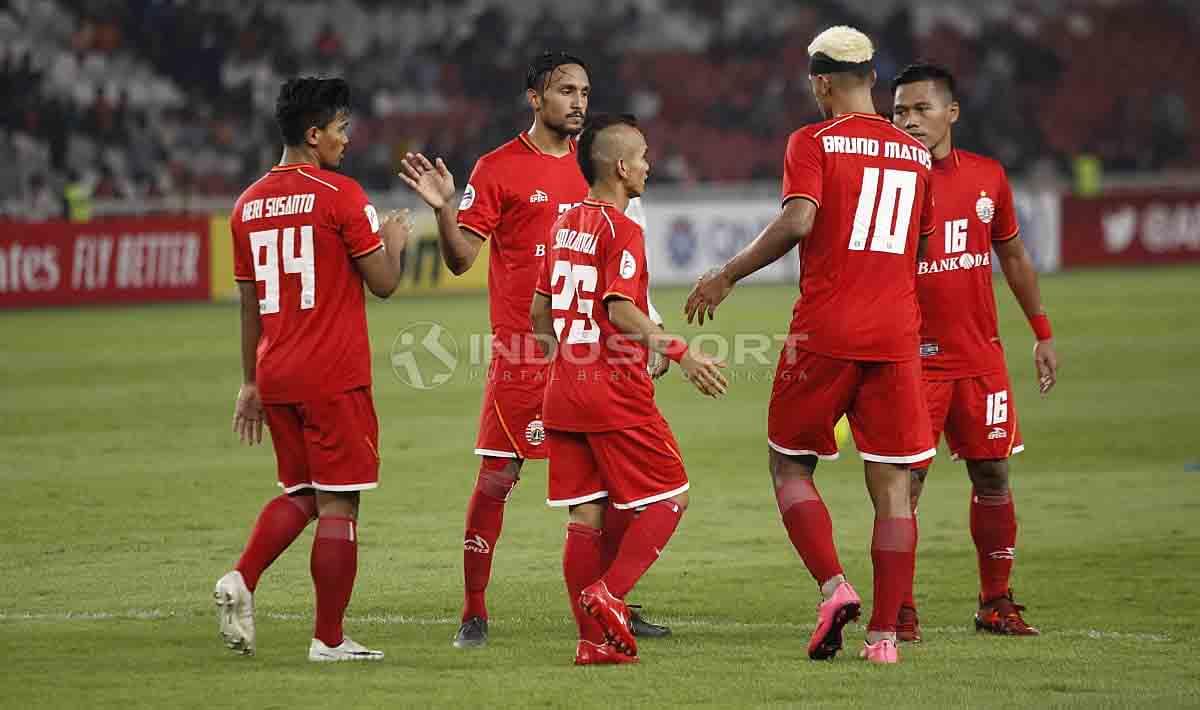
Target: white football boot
<point>348,650</point>
<point>235,613</point>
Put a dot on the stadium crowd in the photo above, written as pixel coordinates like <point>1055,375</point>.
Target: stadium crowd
<point>159,97</point>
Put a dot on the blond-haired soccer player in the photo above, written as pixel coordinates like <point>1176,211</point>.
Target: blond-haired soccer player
<point>856,198</point>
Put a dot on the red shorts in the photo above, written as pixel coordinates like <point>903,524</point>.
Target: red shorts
<point>883,400</point>
<point>633,467</point>
<point>977,415</point>
<point>329,444</point>
<point>510,421</point>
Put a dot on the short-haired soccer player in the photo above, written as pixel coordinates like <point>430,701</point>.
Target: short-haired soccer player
<point>305,239</point>
<point>966,379</point>
<point>607,439</point>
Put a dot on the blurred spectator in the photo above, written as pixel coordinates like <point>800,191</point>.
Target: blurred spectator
<point>40,203</point>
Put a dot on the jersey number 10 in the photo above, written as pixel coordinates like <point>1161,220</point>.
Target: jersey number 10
<point>892,218</point>
<point>265,246</point>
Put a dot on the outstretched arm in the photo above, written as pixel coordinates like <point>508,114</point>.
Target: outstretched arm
<point>783,233</point>
<point>1023,282</point>
<point>702,370</point>
<point>435,185</point>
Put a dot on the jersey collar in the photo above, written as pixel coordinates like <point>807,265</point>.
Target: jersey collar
<point>525,139</point>
<point>290,166</point>
<point>593,202</point>
<point>950,162</point>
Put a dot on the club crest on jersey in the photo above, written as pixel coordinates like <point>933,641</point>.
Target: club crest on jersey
<point>985,209</point>
<point>538,196</point>
<point>628,264</point>
<point>535,433</point>
<point>468,198</point>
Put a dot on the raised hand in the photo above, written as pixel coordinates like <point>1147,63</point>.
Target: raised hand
<point>706,295</point>
<point>431,181</point>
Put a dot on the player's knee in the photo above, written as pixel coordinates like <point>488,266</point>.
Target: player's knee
<point>785,468</point>
<point>337,504</point>
<point>498,476</point>
<point>682,501</point>
<point>589,514</point>
<point>988,476</point>
<point>305,501</point>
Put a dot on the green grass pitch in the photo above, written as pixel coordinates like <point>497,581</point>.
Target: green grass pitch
<point>128,496</point>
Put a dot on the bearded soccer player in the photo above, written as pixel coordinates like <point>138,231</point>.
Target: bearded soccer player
<point>305,238</point>
<point>607,439</point>
<point>513,197</point>
<point>966,379</point>
<point>856,199</point>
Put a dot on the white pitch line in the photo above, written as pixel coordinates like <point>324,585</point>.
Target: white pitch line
<point>403,620</point>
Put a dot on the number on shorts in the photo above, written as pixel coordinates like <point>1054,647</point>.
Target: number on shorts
<point>997,408</point>
<point>891,219</point>
<point>577,280</point>
<point>265,245</point>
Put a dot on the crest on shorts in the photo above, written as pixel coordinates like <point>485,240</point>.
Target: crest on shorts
<point>985,208</point>
<point>535,433</point>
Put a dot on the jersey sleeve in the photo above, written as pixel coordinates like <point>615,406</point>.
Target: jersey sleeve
<point>803,169</point>
<point>927,224</point>
<point>243,260</point>
<point>1004,223</point>
<point>624,263</point>
<point>359,223</point>
<point>482,200</point>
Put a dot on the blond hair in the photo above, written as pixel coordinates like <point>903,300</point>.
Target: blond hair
<point>843,44</point>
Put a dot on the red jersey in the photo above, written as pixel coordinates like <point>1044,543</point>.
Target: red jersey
<point>296,233</point>
<point>959,335</point>
<point>515,194</point>
<point>598,380</point>
<point>870,182</point>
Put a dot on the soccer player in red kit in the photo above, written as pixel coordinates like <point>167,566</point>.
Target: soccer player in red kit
<point>607,439</point>
<point>305,238</point>
<point>856,198</point>
<point>513,197</point>
<point>966,379</point>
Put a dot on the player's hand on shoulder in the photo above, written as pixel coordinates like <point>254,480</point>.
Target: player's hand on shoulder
<point>396,228</point>
<point>1045,359</point>
<point>248,415</point>
<point>431,181</point>
<point>710,289</point>
<point>704,371</point>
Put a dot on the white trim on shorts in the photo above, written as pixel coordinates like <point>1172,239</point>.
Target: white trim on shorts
<point>497,454</point>
<point>577,501</point>
<point>1016,450</point>
<point>652,499</point>
<point>915,458</point>
<point>802,452</point>
<point>331,489</point>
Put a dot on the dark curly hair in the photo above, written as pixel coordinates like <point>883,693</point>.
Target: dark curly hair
<point>309,101</point>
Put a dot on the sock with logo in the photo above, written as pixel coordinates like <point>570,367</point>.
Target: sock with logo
<point>583,564</point>
<point>485,517</point>
<point>643,542</point>
<point>994,530</point>
<point>334,565</point>
<point>616,522</point>
<point>809,527</point>
<point>892,560</point>
<point>279,524</point>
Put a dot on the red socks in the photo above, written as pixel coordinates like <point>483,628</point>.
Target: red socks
<point>334,565</point>
<point>616,522</point>
<point>643,542</point>
<point>809,527</point>
<point>485,517</point>
<point>279,524</point>
<point>909,601</point>
<point>583,563</point>
<point>892,558</point>
<point>994,530</point>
